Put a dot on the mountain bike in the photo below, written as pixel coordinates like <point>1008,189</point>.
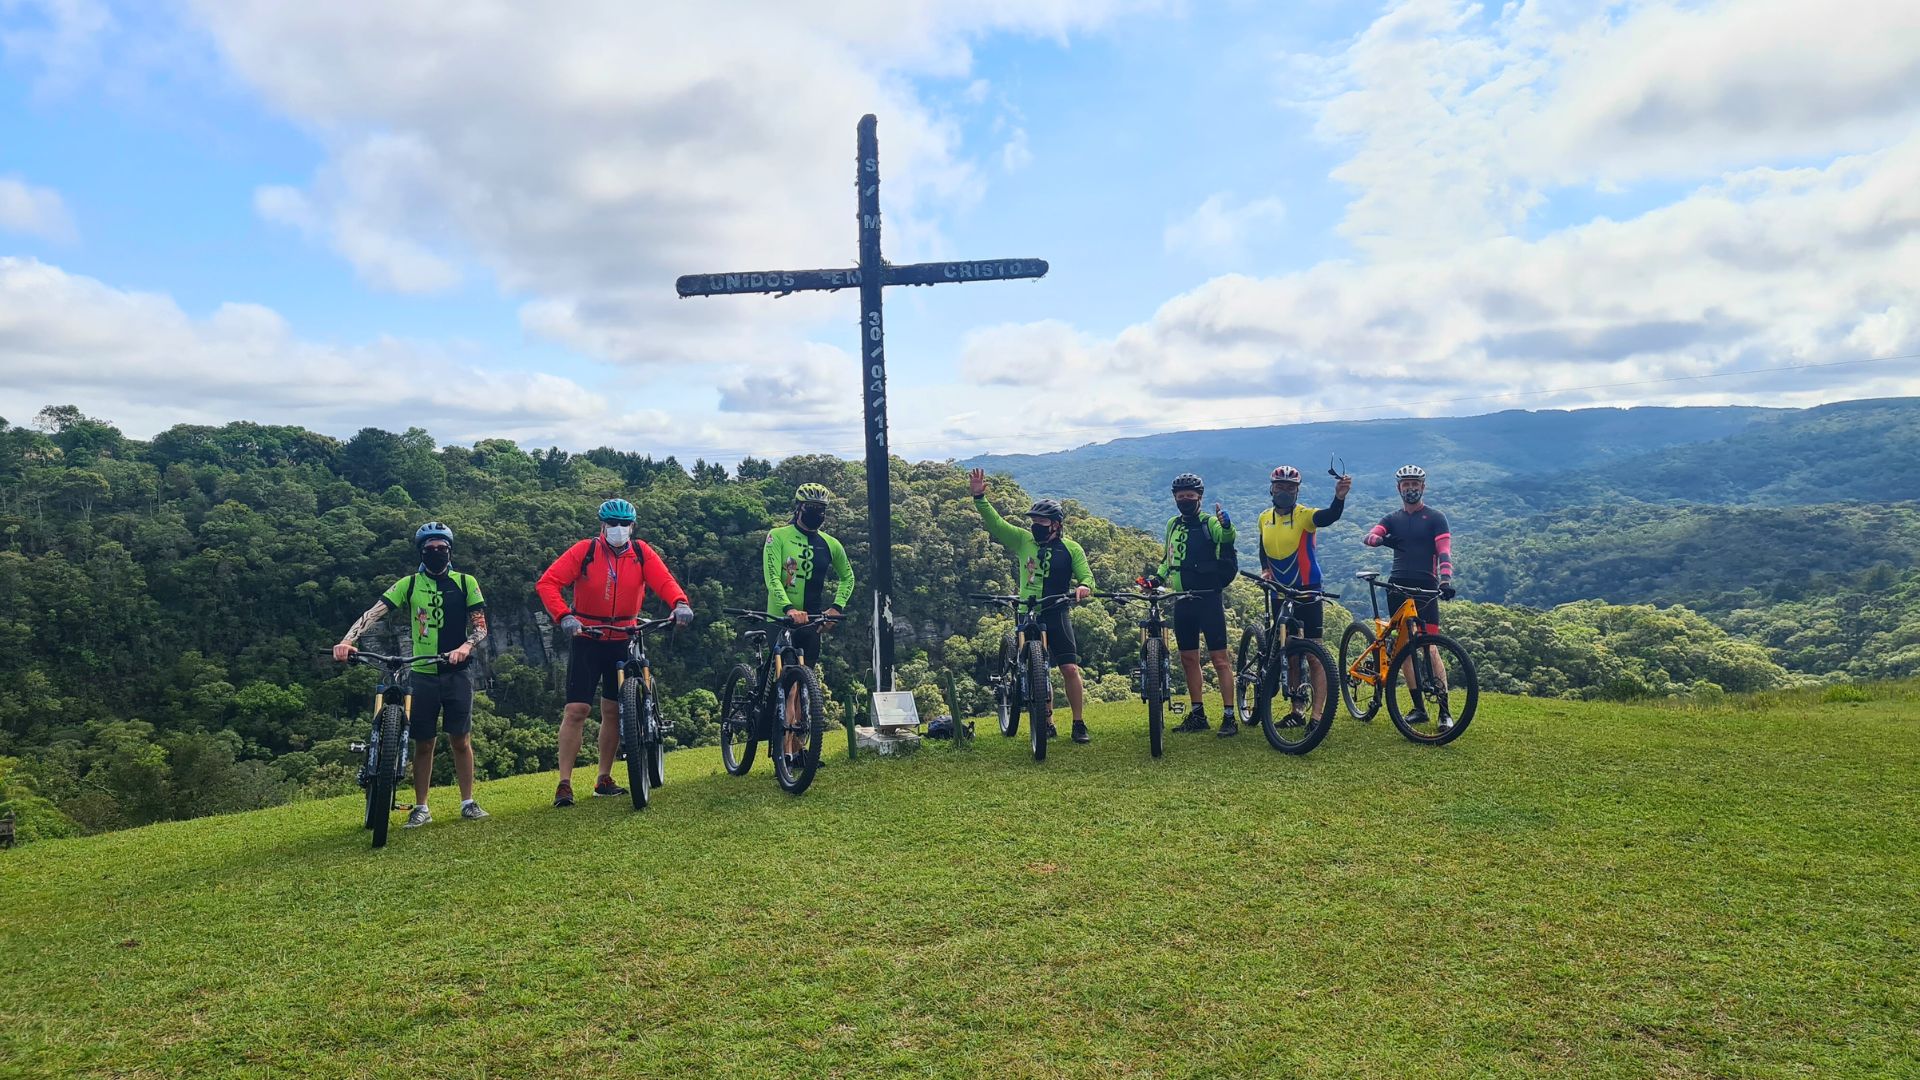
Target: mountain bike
<point>1153,677</point>
<point>1276,663</point>
<point>387,746</point>
<point>642,741</point>
<point>1023,678</point>
<point>1377,653</point>
<point>753,704</point>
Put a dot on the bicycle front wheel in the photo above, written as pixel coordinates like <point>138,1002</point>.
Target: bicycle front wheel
<point>386,772</point>
<point>737,738</point>
<point>654,745</point>
<point>1006,695</point>
<point>1249,676</point>
<point>1438,704</point>
<point>1356,683</point>
<point>793,768</point>
<point>1308,706</point>
<point>633,702</point>
<point>1153,687</point>
<point>1039,699</point>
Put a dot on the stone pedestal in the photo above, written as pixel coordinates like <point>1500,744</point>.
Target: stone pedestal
<point>887,742</point>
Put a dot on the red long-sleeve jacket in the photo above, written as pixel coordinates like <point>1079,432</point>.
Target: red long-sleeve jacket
<point>608,586</point>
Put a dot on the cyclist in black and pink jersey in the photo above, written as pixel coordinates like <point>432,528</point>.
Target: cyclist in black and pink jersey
<point>1422,556</point>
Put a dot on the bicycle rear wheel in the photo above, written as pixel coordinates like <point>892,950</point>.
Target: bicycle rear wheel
<point>794,771</point>
<point>1006,695</point>
<point>1249,676</point>
<point>1039,699</point>
<point>1153,687</point>
<point>1439,706</point>
<point>737,737</point>
<point>1353,650</point>
<point>633,701</point>
<point>386,772</point>
<point>1309,712</point>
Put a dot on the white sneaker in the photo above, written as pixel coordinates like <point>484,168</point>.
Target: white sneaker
<point>472,812</point>
<point>420,816</point>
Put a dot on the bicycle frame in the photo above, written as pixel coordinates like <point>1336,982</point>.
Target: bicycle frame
<point>1280,622</point>
<point>774,650</point>
<point>1388,634</point>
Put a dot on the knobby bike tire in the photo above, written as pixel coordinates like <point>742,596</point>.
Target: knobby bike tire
<point>738,739</point>
<point>1153,687</point>
<point>1039,699</point>
<point>1280,729</point>
<point>633,699</point>
<point>794,777</point>
<point>386,772</point>
<point>654,745</point>
<point>1353,644</point>
<point>1006,697</point>
<point>1249,676</point>
<point>1463,686</point>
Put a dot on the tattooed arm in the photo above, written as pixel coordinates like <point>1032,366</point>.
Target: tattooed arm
<point>476,627</point>
<point>360,626</point>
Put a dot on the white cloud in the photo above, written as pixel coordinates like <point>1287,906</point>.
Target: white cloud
<point>1219,229</point>
<point>36,211</point>
<point>1016,154</point>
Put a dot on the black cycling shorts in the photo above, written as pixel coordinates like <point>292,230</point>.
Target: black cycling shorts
<point>434,696</point>
<point>1429,606</point>
<point>1061,647</point>
<point>1201,615</point>
<point>1312,619</point>
<point>807,640</point>
<point>593,660</point>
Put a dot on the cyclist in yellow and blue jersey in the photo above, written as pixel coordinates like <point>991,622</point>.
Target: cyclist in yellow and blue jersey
<point>1287,550</point>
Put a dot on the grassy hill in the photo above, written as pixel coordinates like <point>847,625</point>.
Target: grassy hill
<point>1569,890</point>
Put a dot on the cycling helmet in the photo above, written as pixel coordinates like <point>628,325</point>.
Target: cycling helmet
<point>432,530</point>
<point>1050,509</point>
<point>1409,472</point>
<point>815,493</point>
<point>1187,481</point>
<point>617,510</point>
<point>1286,473</point>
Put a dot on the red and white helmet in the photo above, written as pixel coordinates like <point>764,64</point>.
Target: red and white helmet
<point>1286,473</point>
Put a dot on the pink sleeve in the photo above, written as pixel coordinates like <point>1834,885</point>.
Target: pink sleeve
<point>1374,536</point>
<point>1443,554</point>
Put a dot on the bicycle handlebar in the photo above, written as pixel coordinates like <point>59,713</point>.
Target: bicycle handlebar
<point>1410,590</point>
<point>361,656</point>
<point>1298,595</point>
<point>1041,602</point>
<point>641,627</point>
<point>784,620</point>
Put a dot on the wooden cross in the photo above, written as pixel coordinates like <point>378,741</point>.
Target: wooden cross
<point>872,275</point>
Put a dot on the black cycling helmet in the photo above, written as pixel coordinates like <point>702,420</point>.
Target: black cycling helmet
<point>1187,481</point>
<point>1049,509</point>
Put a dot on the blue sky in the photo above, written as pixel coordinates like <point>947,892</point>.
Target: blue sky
<point>390,215</point>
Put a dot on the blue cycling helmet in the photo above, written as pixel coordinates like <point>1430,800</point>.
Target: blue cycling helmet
<point>619,511</point>
<point>432,530</point>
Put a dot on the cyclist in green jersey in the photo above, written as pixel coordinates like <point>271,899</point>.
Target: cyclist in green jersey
<point>1189,561</point>
<point>445,614</point>
<point>1050,565</point>
<point>794,562</point>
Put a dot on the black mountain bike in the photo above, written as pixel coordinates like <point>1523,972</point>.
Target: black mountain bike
<point>387,747</point>
<point>753,704</point>
<point>1153,677</point>
<point>1023,679</point>
<point>642,740</point>
<point>1277,664</point>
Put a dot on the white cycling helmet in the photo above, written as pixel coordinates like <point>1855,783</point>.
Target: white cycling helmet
<point>1284,473</point>
<point>1410,472</point>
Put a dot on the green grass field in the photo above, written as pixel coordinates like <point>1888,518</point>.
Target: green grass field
<point>1569,890</point>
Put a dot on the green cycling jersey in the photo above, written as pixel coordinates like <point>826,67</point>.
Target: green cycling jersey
<point>1046,569</point>
<point>1180,551</point>
<point>795,561</point>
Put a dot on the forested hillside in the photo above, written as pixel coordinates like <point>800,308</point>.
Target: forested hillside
<point>165,604</point>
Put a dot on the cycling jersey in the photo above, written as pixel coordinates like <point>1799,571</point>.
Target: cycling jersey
<point>1422,546</point>
<point>436,609</point>
<point>608,586</point>
<point>1179,553</point>
<point>1287,543</point>
<point>795,562</point>
<point>1045,569</point>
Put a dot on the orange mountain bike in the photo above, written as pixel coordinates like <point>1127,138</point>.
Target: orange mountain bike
<point>1427,680</point>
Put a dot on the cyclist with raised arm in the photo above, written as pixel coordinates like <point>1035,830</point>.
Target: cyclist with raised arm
<point>795,562</point>
<point>1287,551</point>
<point>1050,565</point>
<point>446,615</point>
<point>1422,559</point>
<point>1187,561</point>
<point>609,576</point>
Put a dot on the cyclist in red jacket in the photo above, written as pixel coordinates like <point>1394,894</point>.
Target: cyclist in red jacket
<point>609,576</point>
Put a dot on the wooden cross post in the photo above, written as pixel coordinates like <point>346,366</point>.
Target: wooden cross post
<point>872,275</point>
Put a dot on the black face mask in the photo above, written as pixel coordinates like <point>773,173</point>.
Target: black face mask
<point>1188,507</point>
<point>1412,497</point>
<point>436,560</point>
<point>1286,502</point>
<point>812,517</point>
<point>1042,533</point>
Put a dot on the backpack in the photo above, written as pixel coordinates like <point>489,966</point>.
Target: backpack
<point>1209,569</point>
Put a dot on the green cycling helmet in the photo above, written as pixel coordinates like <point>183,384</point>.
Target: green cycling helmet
<point>811,493</point>
<point>619,511</point>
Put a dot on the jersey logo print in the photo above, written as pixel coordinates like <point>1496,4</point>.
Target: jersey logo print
<point>792,569</point>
